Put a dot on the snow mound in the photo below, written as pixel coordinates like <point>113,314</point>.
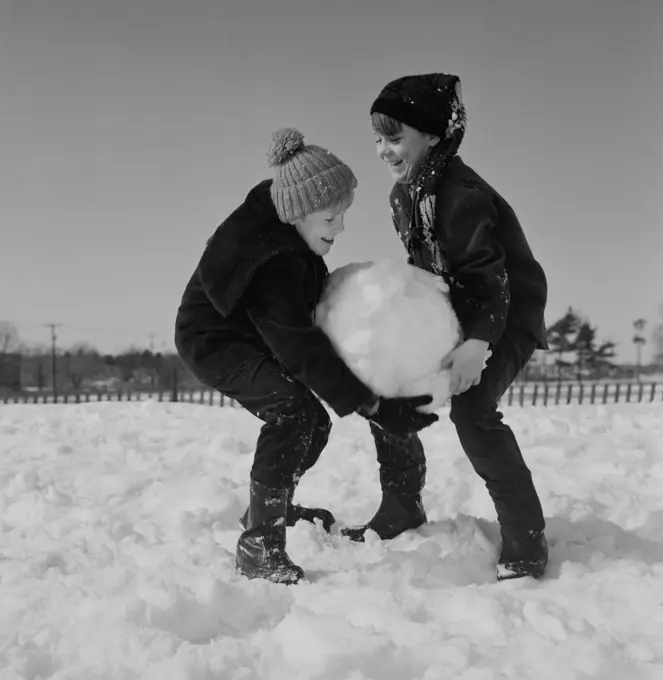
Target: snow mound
<point>118,532</point>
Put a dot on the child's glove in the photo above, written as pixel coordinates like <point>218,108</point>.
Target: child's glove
<point>400,415</point>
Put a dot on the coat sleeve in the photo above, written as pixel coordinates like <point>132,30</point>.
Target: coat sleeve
<point>476,261</point>
<point>276,304</point>
<point>214,286</point>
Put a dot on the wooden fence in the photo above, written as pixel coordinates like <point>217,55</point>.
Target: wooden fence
<point>520,394</point>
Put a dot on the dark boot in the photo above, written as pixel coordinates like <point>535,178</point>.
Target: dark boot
<point>299,512</point>
<point>397,513</point>
<point>524,555</point>
<point>261,547</point>
<point>401,507</point>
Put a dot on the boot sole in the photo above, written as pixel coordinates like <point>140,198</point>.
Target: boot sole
<point>357,534</point>
<point>509,571</point>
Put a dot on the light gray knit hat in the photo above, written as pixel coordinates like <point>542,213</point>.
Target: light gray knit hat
<point>307,178</point>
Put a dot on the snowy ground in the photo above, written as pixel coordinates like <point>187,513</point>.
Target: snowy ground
<point>118,524</point>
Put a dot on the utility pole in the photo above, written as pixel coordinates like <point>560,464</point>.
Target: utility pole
<point>638,341</point>
<point>53,326</point>
<point>153,371</point>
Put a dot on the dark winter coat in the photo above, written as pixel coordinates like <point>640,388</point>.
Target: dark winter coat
<point>254,293</point>
<point>481,249</point>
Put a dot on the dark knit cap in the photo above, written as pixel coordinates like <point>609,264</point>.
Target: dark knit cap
<point>430,103</point>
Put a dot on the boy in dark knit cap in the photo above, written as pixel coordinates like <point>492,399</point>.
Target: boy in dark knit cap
<point>245,327</point>
<point>453,224</point>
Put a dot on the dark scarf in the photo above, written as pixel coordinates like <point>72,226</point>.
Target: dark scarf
<point>425,182</point>
<point>421,209</point>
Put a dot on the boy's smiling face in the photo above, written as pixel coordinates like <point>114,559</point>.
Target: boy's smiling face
<point>320,228</point>
<point>404,151</point>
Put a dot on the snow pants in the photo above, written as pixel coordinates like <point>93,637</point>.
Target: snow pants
<point>490,444</point>
<point>297,426</point>
<point>402,462</point>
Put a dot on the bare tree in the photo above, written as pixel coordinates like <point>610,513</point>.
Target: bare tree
<point>81,361</point>
<point>10,360</point>
<point>657,340</point>
<point>9,339</point>
<point>36,361</point>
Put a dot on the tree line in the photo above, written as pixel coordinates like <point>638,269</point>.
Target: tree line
<point>576,353</point>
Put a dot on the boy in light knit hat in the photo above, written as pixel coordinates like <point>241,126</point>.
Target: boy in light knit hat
<point>454,224</point>
<point>245,327</point>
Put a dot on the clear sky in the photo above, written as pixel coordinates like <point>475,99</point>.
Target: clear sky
<point>131,128</point>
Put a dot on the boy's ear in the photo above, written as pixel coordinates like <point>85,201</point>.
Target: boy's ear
<point>433,140</point>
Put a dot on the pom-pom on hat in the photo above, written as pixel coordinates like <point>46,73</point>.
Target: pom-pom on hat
<point>307,178</point>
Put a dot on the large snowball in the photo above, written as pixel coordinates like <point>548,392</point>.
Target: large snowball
<point>393,324</point>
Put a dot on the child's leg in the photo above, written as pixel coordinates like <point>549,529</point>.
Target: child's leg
<point>319,439</point>
<point>296,425</point>
<point>296,428</point>
<point>402,478</point>
<point>490,444</point>
<point>402,461</point>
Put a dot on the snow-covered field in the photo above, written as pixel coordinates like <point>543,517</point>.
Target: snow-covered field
<point>118,524</point>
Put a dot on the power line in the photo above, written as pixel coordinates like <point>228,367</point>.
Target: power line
<point>140,337</point>
<point>105,330</point>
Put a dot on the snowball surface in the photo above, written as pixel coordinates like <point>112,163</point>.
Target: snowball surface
<point>392,323</point>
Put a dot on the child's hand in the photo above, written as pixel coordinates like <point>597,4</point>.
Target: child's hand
<point>466,363</point>
<point>441,284</point>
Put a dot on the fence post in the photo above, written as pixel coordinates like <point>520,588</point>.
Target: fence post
<point>628,393</point>
<point>640,392</point>
<point>558,393</point>
<point>592,396</point>
<point>653,390</point>
<point>545,394</point>
<point>569,392</point>
<point>617,391</point>
<point>582,392</point>
<point>605,393</point>
<point>536,390</point>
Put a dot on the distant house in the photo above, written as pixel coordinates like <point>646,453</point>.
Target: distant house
<point>10,371</point>
<point>106,384</point>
